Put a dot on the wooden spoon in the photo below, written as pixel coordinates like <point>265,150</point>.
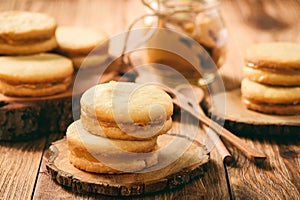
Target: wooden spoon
<point>198,93</point>
<point>185,103</point>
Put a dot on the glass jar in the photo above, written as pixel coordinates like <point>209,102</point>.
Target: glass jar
<point>199,19</point>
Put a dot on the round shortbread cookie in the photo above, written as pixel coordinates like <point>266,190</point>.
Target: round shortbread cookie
<point>126,132</point>
<point>123,102</point>
<point>90,164</point>
<point>271,77</point>
<point>269,94</point>
<point>38,68</point>
<point>22,25</point>
<point>278,56</point>
<point>89,61</point>
<point>81,140</point>
<point>79,40</point>
<point>30,48</point>
<point>277,109</point>
<point>35,75</point>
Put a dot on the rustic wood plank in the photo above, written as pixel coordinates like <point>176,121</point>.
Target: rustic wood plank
<point>278,178</point>
<point>19,166</point>
<point>215,179</point>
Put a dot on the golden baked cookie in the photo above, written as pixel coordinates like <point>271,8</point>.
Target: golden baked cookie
<point>89,164</point>
<point>79,138</point>
<point>125,131</point>
<point>277,56</point>
<point>122,102</point>
<point>102,155</point>
<point>269,94</point>
<point>28,48</point>
<point>277,109</point>
<point>21,26</point>
<point>271,77</point>
<point>89,61</point>
<point>74,41</point>
<point>24,33</point>
<point>35,75</point>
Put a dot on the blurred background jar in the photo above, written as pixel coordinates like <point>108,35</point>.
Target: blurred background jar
<point>199,19</point>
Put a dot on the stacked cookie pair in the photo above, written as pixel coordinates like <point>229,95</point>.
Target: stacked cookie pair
<point>25,68</point>
<point>272,78</point>
<point>119,126</point>
<point>86,47</point>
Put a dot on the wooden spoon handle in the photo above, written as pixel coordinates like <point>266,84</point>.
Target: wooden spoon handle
<point>249,152</point>
<point>219,145</point>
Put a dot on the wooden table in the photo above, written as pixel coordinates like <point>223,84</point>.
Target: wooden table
<point>22,168</point>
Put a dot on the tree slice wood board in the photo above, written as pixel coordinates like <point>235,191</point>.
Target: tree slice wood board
<point>246,122</point>
<point>185,169</point>
<point>25,118</point>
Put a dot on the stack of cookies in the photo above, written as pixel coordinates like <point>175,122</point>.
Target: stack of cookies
<point>85,47</point>
<point>272,78</point>
<point>119,126</point>
<point>25,68</point>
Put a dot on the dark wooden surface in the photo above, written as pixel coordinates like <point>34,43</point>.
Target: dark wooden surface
<point>22,168</point>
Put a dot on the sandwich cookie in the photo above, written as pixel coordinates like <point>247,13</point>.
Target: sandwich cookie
<point>78,42</point>
<point>101,155</point>
<point>129,107</point>
<point>273,63</point>
<point>35,75</point>
<point>130,132</point>
<point>24,32</point>
<point>271,99</point>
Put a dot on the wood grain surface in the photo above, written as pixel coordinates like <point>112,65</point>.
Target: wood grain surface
<point>278,178</point>
<point>19,167</point>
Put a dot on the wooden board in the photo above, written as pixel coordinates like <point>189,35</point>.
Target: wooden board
<point>28,118</point>
<point>185,169</point>
<point>242,121</point>
<point>48,189</point>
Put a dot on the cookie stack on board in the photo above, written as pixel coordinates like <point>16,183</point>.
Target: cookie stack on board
<point>119,126</point>
<point>272,78</point>
<point>25,68</point>
<point>34,83</point>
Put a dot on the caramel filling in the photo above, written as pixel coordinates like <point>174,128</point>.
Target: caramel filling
<point>290,70</point>
<point>10,41</point>
<point>122,124</point>
<point>39,85</point>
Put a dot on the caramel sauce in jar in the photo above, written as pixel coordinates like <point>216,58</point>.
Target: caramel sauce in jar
<point>203,24</point>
